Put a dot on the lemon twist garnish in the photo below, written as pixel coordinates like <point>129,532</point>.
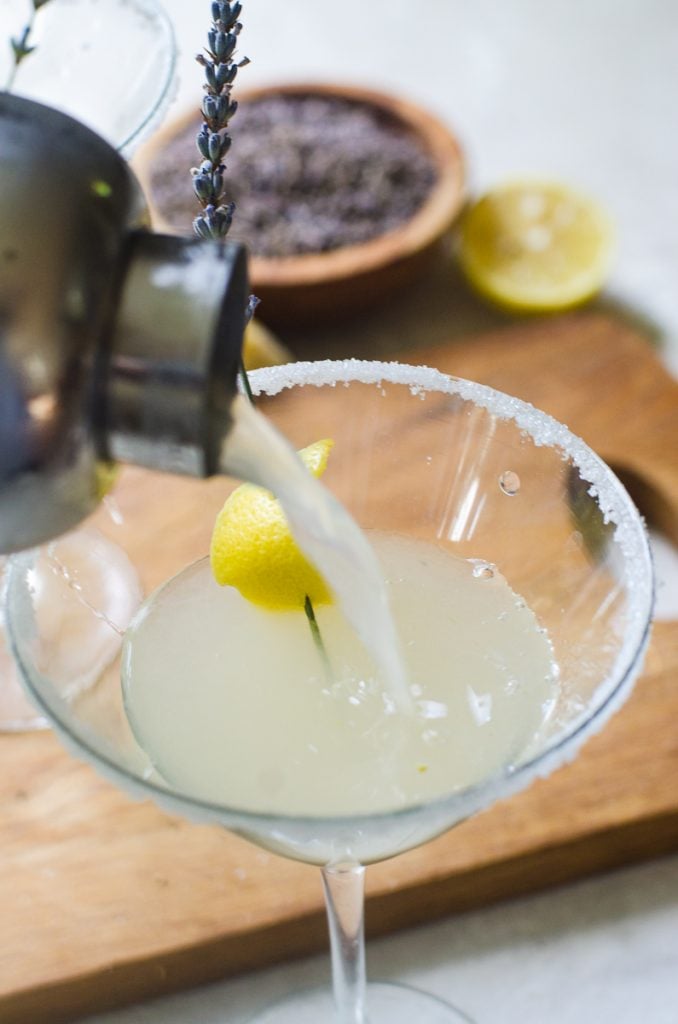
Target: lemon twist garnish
<point>536,246</point>
<point>262,348</point>
<point>106,474</point>
<point>253,548</point>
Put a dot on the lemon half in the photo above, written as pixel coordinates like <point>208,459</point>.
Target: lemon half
<point>253,548</point>
<point>535,246</point>
<point>262,348</point>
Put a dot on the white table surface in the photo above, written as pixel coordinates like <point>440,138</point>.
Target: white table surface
<point>586,92</point>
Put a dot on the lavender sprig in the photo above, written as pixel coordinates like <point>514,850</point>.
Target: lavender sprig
<point>218,107</point>
<point>21,48</point>
<point>214,142</point>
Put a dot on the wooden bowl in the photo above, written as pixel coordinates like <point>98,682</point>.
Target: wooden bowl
<point>320,287</point>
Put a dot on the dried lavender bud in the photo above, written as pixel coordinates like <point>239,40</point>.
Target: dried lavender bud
<point>218,147</point>
<point>218,180</point>
<point>252,304</point>
<point>210,108</point>
<point>214,222</point>
<point>227,109</point>
<point>223,75</point>
<point>210,76</point>
<point>227,15</point>
<point>20,46</point>
<point>309,174</point>
<point>202,186</point>
<point>203,142</point>
<point>226,44</point>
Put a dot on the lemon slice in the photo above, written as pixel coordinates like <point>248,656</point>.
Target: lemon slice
<point>536,246</point>
<point>105,477</point>
<point>262,348</point>
<point>253,548</point>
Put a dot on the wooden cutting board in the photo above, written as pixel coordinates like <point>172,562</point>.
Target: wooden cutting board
<point>104,901</point>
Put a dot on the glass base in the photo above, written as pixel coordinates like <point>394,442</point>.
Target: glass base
<point>387,1003</point>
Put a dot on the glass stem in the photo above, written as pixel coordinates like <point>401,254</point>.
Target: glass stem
<point>344,885</point>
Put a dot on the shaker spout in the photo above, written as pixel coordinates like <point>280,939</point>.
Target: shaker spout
<point>169,374</point>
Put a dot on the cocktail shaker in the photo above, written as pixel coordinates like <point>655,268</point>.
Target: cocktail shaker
<point>115,343</point>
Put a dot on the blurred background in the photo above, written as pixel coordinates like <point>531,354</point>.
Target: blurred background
<point>577,92</point>
<point>583,93</point>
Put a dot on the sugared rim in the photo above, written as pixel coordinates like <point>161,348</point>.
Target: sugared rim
<point>614,501</point>
<point>616,506</point>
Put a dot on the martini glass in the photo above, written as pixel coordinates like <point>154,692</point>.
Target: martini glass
<point>111,64</point>
<point>93,591</point>
<point>429,457</point>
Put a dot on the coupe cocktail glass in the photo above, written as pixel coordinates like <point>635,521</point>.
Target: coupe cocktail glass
<point>440,461</point>
<point>112,65</point>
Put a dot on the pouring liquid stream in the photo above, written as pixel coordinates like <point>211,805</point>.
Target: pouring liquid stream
<point>208,676</point>
<point>255,451</point>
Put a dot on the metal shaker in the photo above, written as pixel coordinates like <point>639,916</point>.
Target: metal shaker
<point>115,343</point>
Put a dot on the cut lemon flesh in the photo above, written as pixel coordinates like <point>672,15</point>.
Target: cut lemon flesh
<point>536,246</point>
<point>253,548</point>
<point>262,348</point>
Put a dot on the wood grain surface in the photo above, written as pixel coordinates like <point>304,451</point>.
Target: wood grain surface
<point>105,901</point>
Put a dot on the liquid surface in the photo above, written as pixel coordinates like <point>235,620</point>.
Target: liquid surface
<point>234,705</point>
